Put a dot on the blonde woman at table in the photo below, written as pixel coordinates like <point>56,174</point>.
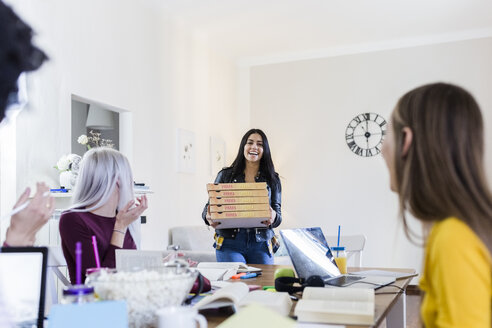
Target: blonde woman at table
<point>104,206</point>
<point>434,152</point>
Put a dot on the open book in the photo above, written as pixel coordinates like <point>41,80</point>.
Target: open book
<point>336,305</point>
<point>216,271</point>
<point>237,295</point>
<point>128,259</point>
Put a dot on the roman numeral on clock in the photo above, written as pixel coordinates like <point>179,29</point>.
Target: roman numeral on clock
<point>365,133</point>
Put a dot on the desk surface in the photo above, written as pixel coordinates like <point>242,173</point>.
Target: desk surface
<point>383,302</point>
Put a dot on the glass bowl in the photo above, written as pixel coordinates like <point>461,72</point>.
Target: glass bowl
<point>144,290</point>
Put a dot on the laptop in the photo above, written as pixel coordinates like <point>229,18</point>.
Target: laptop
<point>133,259</point>
<point>22,286</point>
<point>311,255</point>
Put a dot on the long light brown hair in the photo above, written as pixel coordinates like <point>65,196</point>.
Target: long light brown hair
<point>442,174</point>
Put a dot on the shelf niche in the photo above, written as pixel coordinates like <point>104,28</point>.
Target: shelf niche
<point>112,123</point>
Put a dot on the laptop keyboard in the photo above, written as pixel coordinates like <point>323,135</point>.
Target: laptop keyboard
<point>343,280</point>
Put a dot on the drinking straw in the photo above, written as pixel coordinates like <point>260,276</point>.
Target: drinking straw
<point>338,241</point>
<point>96,253</point>
<point>78,263</point>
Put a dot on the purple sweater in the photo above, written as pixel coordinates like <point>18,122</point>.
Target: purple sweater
<point>81,226</point>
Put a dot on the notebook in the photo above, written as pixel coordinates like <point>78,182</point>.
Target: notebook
<point>23,285</point>
<point>310,254</point>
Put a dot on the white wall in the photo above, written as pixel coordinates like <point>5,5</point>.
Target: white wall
<point>133,56</point>
<point>198,88</point>
<point>305,106</point>
<point>130,55</point>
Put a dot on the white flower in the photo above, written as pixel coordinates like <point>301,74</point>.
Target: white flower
<point>83,140</point>
<point>70,162</point>
<point>63,163</point>
<point>73,157</point>
<point>94,140</point>
<point>75,162</point>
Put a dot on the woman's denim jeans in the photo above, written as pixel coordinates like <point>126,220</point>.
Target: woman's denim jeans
<point>244,248</point>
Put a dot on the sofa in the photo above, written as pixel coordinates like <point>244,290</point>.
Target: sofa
<point>196,242</point>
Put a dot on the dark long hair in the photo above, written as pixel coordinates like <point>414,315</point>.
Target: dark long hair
<point>266,163</point>
<point>17,54</point>
<point>443,172</point>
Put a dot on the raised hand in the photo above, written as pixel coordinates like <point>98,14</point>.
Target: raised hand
<point>25,224</point>
<point>128,214</point>
<point>125,217</point>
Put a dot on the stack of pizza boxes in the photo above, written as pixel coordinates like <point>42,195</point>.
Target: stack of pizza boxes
<point>239,205</point>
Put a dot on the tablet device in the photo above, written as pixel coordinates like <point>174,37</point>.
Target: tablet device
<point>23,285</point>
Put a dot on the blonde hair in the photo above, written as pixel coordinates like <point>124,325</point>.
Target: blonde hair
<point>442,174</point>
<point>100,169</point>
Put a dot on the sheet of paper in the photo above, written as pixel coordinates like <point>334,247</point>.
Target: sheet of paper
<point>248,269</point>
<point>240,267</point>
<point>384,273</point>
<point>217,274</point>
<point>219,284</point>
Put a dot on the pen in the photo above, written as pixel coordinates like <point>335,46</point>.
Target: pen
<point>250,275</point>
<point>20,208</point>
<point>254,287</point>
<point>239,275</point>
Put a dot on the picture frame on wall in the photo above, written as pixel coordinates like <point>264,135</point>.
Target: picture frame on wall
<point>186,160</point>
<point>217,154</point>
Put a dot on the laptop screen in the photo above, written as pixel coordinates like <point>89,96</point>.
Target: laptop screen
<point>309,252</point>
<point>22,285</point>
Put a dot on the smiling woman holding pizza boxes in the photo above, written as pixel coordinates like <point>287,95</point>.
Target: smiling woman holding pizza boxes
<point>244,204</point>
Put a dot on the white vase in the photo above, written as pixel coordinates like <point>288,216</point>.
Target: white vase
<point>65,179</point>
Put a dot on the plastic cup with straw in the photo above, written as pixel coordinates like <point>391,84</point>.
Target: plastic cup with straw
<point>97,268</point>
<point>340,255</point>
<point>338,240</point>
<point>78,263</point>
<point>78,293</point>
<point>96,252</point>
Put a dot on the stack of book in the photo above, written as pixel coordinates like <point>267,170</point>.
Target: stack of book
<point>239,205</point>
<point>141,188</point>
<point>349,306</point>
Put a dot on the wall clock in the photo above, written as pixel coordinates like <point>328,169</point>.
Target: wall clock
<point>365,133</point>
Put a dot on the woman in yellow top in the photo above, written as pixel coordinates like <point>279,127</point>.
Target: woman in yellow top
<point>434,152</point>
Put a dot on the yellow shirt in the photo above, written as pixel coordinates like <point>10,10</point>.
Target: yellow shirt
<point>456,278</point>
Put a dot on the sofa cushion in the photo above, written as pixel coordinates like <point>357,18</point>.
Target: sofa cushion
<point>195,238</point>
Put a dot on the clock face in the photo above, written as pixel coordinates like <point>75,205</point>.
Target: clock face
<point>365,133</point>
